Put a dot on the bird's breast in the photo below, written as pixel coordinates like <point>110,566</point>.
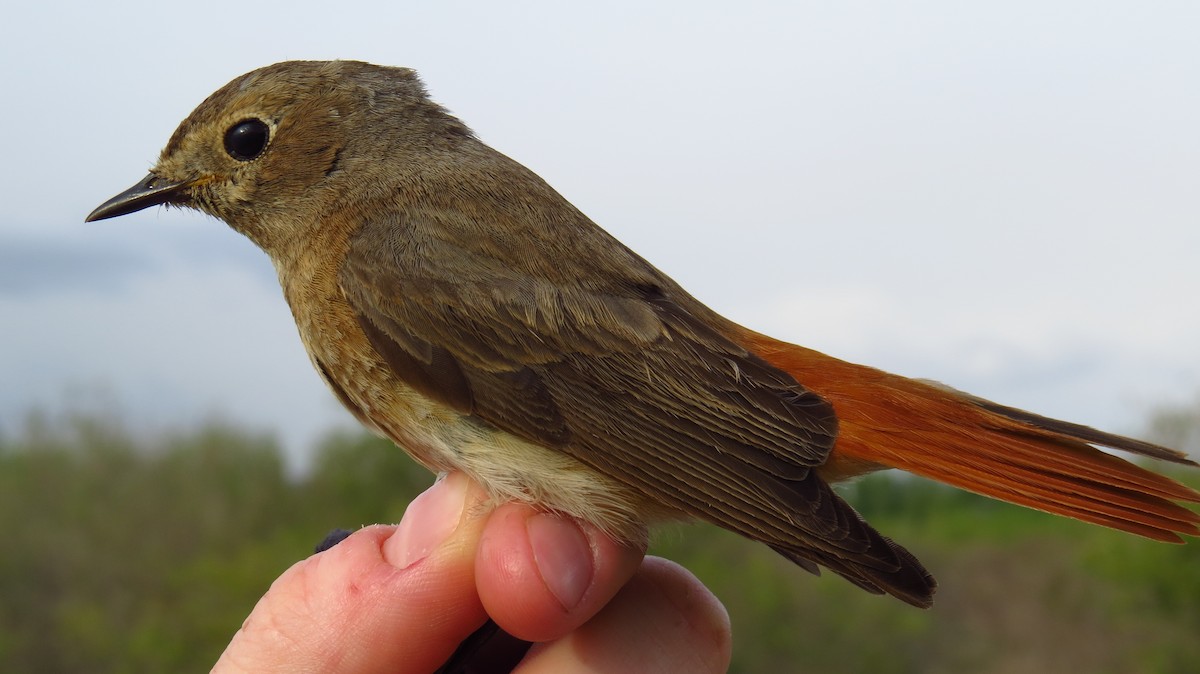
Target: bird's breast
<point>436,435</point>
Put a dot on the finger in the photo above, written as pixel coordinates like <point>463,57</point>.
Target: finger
<point>664,621</point>
<point>386,599</point>
<point>541,575</point>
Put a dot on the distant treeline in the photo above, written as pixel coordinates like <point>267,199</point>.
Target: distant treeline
<point>123,554</point>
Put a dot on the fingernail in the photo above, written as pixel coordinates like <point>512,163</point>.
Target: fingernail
<point>429,519</point>
<point>563,556</point>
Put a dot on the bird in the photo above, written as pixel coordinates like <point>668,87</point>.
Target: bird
<point>457,304</point>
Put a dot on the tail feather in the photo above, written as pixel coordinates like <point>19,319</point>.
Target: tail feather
<point>1009,454</point>
<point>1081,432</point>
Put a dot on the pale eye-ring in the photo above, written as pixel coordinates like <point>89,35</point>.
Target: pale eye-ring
<point>247,139</point>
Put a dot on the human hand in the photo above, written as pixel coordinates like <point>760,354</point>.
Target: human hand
<point>400,599</point>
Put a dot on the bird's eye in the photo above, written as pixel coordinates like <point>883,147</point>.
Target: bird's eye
<point>247,139</point>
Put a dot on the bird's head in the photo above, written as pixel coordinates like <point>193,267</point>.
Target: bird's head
<point>276,148</point>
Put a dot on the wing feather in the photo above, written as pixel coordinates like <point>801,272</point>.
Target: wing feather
<point>613,367</point>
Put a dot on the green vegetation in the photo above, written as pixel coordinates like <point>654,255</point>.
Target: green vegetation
<point>128,554</point>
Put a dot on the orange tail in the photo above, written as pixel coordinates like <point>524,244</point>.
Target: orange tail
<point>890,421</point>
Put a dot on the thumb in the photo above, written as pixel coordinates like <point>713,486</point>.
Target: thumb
<point>386,599</point>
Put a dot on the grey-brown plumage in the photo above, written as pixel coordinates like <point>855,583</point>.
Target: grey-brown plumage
<point>457,304</point>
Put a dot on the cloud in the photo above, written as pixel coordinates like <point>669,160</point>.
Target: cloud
<point>110,258</point>
<point>174,344</point>
<point>953,191</point>
<point>31,267</point>
<point>1076,364</point>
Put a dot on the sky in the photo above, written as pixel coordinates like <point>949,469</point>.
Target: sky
<point>999,196</point>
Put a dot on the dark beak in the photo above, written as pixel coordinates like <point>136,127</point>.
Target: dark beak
<point>150,191</point>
